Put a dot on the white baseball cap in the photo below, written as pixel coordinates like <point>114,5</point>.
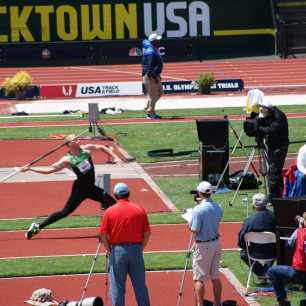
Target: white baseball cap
<point>154,36</point>
<point>204,187</point>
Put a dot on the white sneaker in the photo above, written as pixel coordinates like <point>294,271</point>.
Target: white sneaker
<point>33,230</point>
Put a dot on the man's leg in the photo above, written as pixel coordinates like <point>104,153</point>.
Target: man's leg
<point>137,275</point>
<point>280,275</point>
<point>158,91</point>
<point>275,180</point>
<point>75,199</point>
<point>214,272</point>
<point>145,82</point>
<point>154,93</point>
<point>203,264</point>
<point>199,289</point>
<point>118,268</point>
<point>217,287</point>
<point>73,202</point>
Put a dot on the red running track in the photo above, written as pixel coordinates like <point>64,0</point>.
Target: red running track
<point>274,72</point>
<point>35,199</point>
<point>163,286</point>
<point>167,237</point>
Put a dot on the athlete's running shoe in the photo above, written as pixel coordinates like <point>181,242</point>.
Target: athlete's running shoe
<point>33,230</point>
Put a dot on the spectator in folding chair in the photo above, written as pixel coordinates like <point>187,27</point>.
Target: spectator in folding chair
<point>296,273</point>
<point>262,221</point>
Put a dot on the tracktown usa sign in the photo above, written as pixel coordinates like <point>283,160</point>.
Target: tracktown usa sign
<point>68,20</point>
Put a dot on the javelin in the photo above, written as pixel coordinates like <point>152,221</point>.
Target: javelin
<point>18,169</point>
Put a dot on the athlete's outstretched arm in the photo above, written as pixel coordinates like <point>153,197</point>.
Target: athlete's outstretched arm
<point>61,164</point>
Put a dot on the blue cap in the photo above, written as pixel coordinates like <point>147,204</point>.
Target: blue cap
<point>121,189</point>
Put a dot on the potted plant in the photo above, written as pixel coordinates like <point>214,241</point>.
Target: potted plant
<point>17,85</point>
<point>204,82</point>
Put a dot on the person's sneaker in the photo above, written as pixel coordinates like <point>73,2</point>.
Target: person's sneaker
<point>153,116</point>
<point>33,230</point>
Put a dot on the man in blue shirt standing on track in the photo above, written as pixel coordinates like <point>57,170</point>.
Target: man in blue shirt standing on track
<point>152,67</point>
<point>205,220</point>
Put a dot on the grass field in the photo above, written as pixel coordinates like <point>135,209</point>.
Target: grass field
<point>138,140</point>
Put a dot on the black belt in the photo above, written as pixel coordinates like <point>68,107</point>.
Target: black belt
<point>126,243</point>
<point>213,239</point>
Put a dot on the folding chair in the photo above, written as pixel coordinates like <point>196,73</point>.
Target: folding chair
<point>257,238</point>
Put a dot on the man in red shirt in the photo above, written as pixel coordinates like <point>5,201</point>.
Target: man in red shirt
<point>125,232</point>
<point>296,273</point>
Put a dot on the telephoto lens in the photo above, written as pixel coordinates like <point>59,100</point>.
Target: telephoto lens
<point>90,301</point>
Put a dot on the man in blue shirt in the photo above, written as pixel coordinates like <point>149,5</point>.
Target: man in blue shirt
<point>204,224</point>
<point>262,221</point>
<point>152,67</point>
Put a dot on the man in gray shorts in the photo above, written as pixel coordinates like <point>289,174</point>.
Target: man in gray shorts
<point>205,220</point>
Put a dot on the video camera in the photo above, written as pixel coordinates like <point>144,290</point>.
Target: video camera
<point>250,127</point>
<point>196,196</point>
<point>90,301</point>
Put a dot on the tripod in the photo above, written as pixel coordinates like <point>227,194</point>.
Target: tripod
<point>263,166</point>
<point>238,142</point>
<point>93,118</point>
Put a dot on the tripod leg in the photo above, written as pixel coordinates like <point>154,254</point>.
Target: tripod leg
<point>188,254</point>
<point>242,146</point>
<point>90,272</point>
<point>245,170</point>
<point>264,169</point>
<point>231,154</point>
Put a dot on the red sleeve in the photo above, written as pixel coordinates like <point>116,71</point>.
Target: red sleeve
<point>104,224</point>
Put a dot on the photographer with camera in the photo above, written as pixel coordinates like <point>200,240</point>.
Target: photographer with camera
<point>296,273</point>
<point>204,224</point>
<point>270,127</point>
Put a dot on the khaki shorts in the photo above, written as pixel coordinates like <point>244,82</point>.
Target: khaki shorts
<point>206,258</point>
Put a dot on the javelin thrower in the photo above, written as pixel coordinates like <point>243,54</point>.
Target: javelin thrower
<point>78,159</point>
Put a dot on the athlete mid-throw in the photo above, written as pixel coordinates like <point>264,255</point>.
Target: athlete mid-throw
<point>78,159</point>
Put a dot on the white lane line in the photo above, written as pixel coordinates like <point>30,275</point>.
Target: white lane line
<point>122,72</point>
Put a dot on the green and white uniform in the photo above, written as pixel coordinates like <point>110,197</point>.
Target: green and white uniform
<point>83,188</point>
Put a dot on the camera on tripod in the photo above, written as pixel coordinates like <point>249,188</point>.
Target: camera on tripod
<point>250,127</point>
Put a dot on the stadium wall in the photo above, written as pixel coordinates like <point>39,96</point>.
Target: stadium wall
<point>96,32</point>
